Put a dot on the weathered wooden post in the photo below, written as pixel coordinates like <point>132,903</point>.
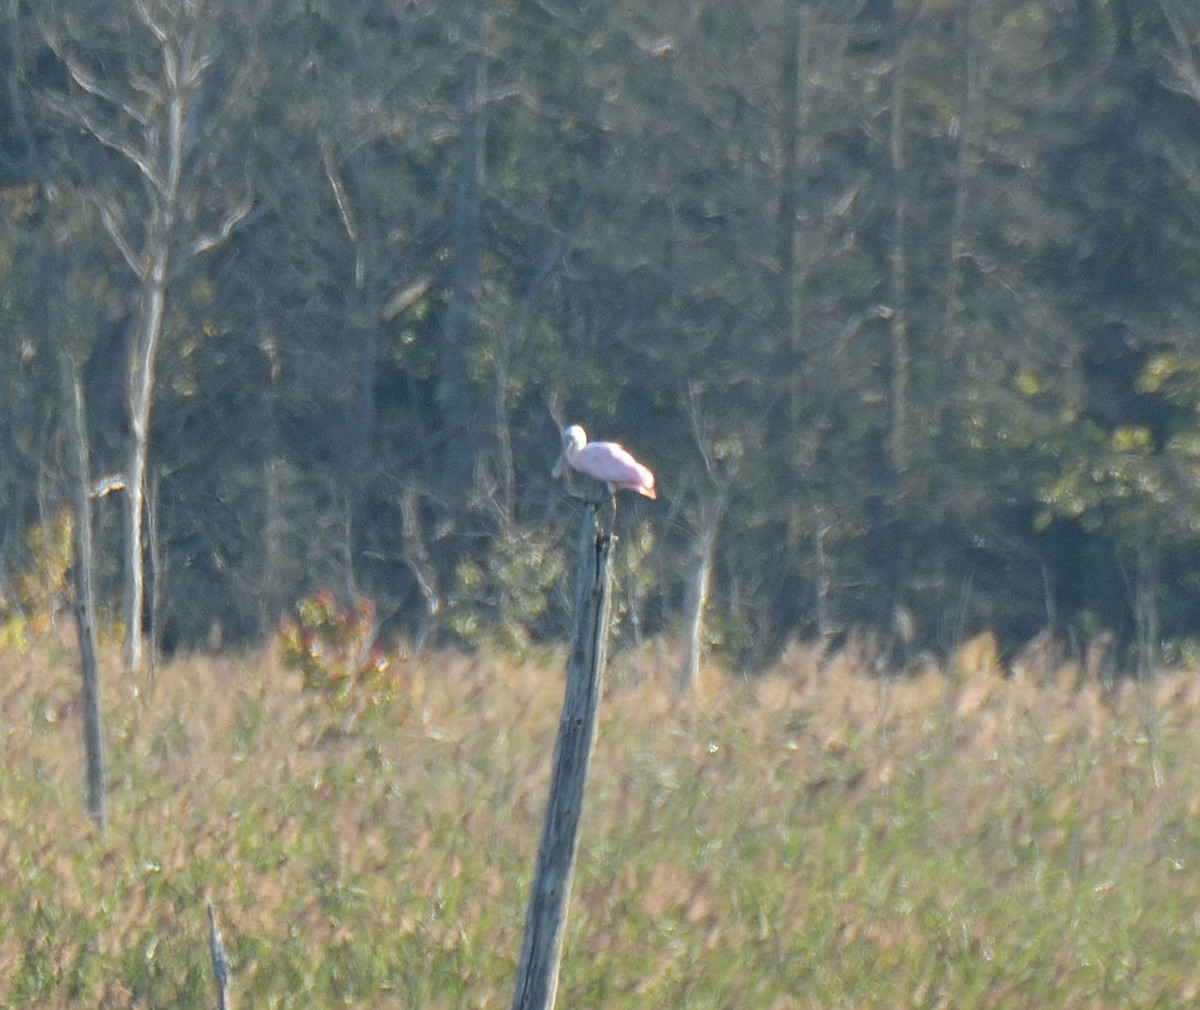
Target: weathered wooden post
<point>220,962</point>
<point>550,891</point>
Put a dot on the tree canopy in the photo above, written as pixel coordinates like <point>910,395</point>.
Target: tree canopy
<point>896,297</point>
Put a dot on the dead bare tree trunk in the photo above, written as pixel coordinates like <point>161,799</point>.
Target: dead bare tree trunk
<point>146,126</point>
<point>694,602</point>
<point>963,167</point>
<point>721,457</point>
<point>157,577</point>
<point>454,380</point>
<point>897,314</point>
<point>85,600</point>
<point>139,392</point>
<point>788,297</point>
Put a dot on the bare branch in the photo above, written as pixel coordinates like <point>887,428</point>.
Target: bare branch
<point>148,87</point>
<point>120,240</point>
<point>235,217</point>
<point>106,485</point>
<point>1189,176</point>
<point>339,191</point>
<point>86,81</point>
<point>1187,76</point>
<point>194,70</point>
<point>157,30</point>
<point>171,68</point>
<point>405,297</point>
<point>93,87</point>
<point>700,430</point>
<point>134,155</point>
<point>1175,22</point>
<point>1184,62</point>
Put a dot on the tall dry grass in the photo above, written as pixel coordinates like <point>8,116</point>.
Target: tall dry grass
<point>815,836</point>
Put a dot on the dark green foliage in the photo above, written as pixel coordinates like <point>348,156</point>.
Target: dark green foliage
<point>931,268</point>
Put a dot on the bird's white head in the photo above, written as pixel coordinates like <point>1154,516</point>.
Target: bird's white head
<point>574,439</point>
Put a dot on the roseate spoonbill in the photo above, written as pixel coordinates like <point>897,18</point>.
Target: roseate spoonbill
<point>606,461</point>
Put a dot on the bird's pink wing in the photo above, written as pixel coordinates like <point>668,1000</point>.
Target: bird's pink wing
<point>612,463</point>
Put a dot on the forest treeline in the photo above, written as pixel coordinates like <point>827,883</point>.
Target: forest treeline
<point>897,297</point>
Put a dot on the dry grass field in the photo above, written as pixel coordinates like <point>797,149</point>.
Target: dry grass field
<point>814,837</point>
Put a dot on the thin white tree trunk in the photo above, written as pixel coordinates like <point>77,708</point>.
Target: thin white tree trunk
<point>694,604</point>
<point>156,262</point>
<point>141,386</point>
<point>721,472</point>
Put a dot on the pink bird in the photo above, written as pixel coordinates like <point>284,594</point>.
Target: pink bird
<point>606,461</point>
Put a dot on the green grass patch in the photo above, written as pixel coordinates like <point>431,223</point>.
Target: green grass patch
<point>814,837</point>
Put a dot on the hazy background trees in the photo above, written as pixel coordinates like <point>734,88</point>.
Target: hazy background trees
<point>896,297</point>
